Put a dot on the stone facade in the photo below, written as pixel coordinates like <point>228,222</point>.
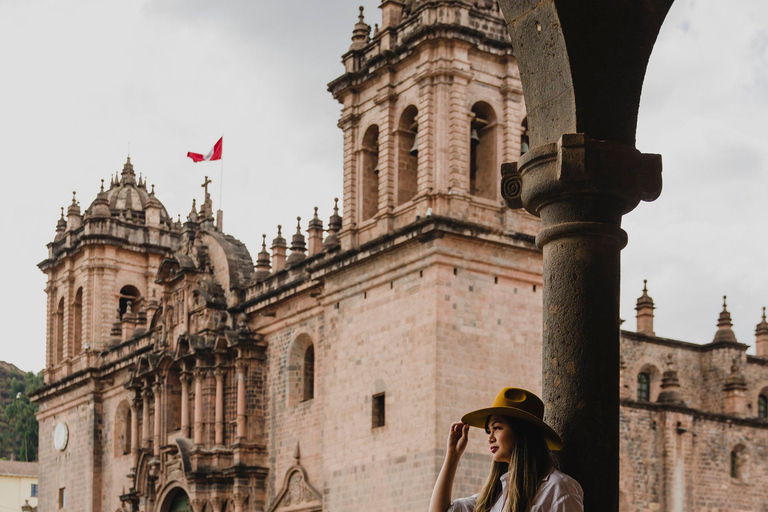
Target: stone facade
<point>325,378</point>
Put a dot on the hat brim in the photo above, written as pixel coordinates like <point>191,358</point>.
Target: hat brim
<point>479,417</point>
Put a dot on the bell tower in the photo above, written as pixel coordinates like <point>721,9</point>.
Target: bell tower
<point>101,267</point>
<point>432,105</point>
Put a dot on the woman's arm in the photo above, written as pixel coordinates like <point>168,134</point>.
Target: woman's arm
<point>457,443</point>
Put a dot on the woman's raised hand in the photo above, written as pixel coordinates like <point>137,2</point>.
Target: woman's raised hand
<point>458,436</point>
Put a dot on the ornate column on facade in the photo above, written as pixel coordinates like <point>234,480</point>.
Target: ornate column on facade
<point>582,64</point>
<point>186,378</point>
<point>241,367</point>
<point>158,416</point>
<point>146,439</point>
<point>198,425</point>
<point>239,501</point>
<point>219,415</point>
<point>135,404</point>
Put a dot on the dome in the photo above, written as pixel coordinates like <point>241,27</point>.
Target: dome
<point>128,199</point>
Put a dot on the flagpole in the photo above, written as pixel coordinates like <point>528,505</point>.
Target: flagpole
<point>221,176</point>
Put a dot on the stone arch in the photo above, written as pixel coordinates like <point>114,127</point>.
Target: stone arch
<point>77,322</point>
<point>739,462</point>
<point>122,429</point>
<point>654,382</point>
<point>761,402</point>
<point>174,498</point>
<point>407,155</point>
<point>128,298</point>
<point>301,369</point>
<point>58,333</point>
<point>369,181</point>
<point>483,164</point>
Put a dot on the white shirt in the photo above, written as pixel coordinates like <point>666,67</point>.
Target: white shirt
<point>558,493</point>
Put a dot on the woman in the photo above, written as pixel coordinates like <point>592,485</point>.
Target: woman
<point>522,478</point>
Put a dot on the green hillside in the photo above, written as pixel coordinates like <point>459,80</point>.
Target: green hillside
<point>18,426</point>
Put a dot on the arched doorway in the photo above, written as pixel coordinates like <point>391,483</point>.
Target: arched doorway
<point>176,501</point>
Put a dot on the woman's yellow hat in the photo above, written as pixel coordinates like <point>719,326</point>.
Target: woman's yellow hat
<point>519,404</point>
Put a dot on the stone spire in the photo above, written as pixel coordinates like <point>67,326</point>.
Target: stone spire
<point>61,225</point>
<point>360,34</point>
<point>192,217</point>
<point>100,207</point>
<point>761,338</point>
<point>263,267</point>
<point>298,245</point>
<point>334,226</point>
<point>74,218</point>
<point>644,310</point>
<point>670,386</point>
<point>724,332</point>
<point>128,176</point>
<point>278,250</point>
<point>315,231</point>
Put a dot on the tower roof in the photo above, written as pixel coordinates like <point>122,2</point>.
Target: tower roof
<point>724,332</point>
<point>128,198</point>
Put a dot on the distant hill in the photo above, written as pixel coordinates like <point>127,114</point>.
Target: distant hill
<point>18,427</point>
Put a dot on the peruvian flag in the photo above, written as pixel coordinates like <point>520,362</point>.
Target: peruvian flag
<point>214,154</point>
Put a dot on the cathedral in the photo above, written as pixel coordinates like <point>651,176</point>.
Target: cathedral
<point>182,375</point>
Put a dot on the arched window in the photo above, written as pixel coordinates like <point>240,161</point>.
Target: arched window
<point>129,297</point>
<point>483,170</point>
<point>301,370</point>
<point>525,143</point>
<point>173,406</point>
<point>643,387</point>
<point>122,429</point>
<point>77,317</point>
<point>762,406</point>
<point>309,373</point>
<point>370,173</point>
<point>58,332</point>
<point>738,462</point>
<point>408,155</point>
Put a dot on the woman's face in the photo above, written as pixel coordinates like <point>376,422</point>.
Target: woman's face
<point>501,438</point>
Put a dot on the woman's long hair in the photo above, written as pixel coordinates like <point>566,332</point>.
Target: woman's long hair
<point>528,466</point>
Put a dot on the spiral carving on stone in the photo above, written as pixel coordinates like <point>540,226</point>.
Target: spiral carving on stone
<point>511,185</point>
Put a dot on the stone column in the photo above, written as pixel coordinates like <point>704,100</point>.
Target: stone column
<point>199,434</point>
<point>158,416</point>
<point>239,501</point>
<point>219,417</point>
<point>186,378</point>
<point>582,64</point>
<point>146,439</point>
<point>241,367</point>
<point>135,426</point>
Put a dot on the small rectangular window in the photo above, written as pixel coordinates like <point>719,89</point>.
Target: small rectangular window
<point>62,497</point>
<point>33,491</point>
<point>378,410</point>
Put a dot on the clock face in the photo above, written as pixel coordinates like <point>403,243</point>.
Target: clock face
<point>61,436</point>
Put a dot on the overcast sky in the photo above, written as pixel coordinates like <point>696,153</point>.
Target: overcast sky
<point>84,79</point>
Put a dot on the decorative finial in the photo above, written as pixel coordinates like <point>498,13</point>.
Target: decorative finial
<point>645,285</point>
<point>102,185</point>
<point>763,313</point>
<point>264,242</point>
<point>279,230</point>
<point>298,224</point>
<point>336,205</point>
<point>153,189</point>
<point>361,17</point>
<point>724,325</point>
<point>725,305</point>
<point>205,184</point>
<point>318,217</point>
<point>62,216</point>
<point>74,201</point>
<point>297,451</point>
